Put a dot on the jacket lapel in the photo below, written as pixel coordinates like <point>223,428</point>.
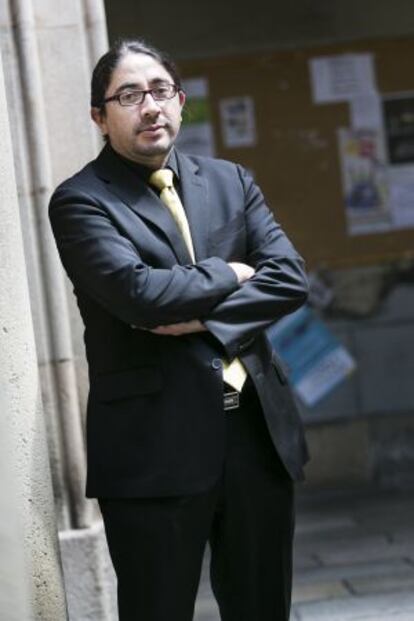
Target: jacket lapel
<point>141,199</point>
<point>195,199</point>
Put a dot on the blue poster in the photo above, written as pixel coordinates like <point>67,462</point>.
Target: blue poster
<point>316,361</point>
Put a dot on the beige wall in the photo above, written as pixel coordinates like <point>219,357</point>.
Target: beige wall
<point>31,584</point>
<point>47,48</point>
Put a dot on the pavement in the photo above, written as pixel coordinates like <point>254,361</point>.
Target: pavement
<point>354,559</point>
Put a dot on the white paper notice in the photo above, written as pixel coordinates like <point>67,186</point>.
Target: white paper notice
<point>238,122</point>
<point>401,196</point>
<point>342,77</point>
<point>366,112</point>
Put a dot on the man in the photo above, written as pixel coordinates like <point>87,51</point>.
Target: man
<point>192,433</point>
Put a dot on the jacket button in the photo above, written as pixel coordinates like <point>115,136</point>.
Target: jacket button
<point>216,364</point>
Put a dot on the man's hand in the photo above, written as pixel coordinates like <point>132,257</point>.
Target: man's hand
<point>178,329</point>
<point>242,271</point>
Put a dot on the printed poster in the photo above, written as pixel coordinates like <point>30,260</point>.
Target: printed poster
<point>399,127</point>
<point>238,124</point>
<point>399,130</point>
<point>364,181</point>
<point>196,133</point>
<point>315,360</point>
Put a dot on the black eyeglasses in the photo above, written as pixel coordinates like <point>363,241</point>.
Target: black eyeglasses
<point>134,98</point>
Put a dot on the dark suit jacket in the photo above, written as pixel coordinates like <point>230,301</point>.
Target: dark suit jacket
<point>155,422</point>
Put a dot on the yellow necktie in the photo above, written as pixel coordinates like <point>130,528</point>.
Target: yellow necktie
<point>163,180</point>
<point>234,373</point>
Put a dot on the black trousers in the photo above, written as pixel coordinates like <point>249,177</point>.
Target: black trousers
<point>157,544</point>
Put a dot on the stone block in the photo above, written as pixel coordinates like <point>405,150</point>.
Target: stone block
<point>340,549</point>
<point>385,355</point>
<point>398,305</point>
<point>403,533</point>
<point>319,591</point>
<point>88,574</point>
<point>371,549</point>
<point>358,291</point>
<point>340,403</point>
<point>340,455</point>
<point>304,561</point>
<point>316,524</point>
<point>399,616</point>
<point>4,16</point>
<point>392,510</point>
<point>393,451</point>
<point>355,571</point>
<point>396,581</point>
<point>67,101</point>
<point>364,608</point>
<point>56,14</point>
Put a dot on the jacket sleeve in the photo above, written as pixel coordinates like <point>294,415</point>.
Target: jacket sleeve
<point>106,266</point>
<point>278,287</point>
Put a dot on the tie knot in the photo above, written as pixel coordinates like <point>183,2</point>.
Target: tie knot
<point>162,178</point>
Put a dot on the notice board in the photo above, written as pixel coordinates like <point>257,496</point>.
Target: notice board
<point>295,159</point>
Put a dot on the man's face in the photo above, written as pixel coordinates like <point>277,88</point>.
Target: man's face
<point>144,132</point>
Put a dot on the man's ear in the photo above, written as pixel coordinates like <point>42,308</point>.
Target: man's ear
<point>181,98</point>
<point>98,116</point>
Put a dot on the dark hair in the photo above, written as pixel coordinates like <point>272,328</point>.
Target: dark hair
<point>106,65</point>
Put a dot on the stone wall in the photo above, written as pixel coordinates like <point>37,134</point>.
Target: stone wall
<point>31,580</point>
<point>363,432</point>
<point>47,49</point>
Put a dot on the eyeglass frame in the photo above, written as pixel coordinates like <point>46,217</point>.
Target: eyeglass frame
<point>175,89</point>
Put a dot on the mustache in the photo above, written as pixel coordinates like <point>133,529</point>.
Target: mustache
<point>143,128</point>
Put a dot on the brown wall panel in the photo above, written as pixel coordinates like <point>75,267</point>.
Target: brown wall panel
<point>296,160</point>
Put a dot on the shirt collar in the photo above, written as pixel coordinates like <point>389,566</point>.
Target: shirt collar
<point>144,172</point>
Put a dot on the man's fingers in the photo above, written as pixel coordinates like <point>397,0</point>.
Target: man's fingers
<point>242,271</point>
<point>166,330</point>
<point>178,329</point>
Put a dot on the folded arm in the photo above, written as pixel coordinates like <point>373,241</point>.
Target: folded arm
<point>277,287</point>
<point>106,265</point>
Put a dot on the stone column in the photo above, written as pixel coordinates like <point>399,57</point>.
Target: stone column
<point>29,558</point>
<point>48,48</point>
